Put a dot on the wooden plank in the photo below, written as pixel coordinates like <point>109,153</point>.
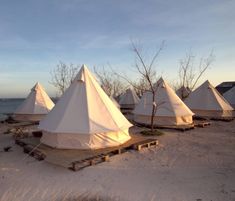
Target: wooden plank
<point>34,152</point>
<point>226,119</point>
<point>202,124</point>
<point>147,143</point>
<point>180,128</point>
<point>78,165</point>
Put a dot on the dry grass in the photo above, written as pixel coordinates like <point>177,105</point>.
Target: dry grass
<point>150,133</point>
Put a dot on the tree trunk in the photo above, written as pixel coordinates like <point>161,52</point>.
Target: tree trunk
<point>153,110</point>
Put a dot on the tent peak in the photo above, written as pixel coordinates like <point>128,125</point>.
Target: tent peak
<point>37,86</point>
<point>161,80</point>
<point>129,89</point>
<point>207,82</point>
<point>84,67</point>
<point>81,74</point>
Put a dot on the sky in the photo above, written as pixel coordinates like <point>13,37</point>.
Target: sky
<point>35,35</point>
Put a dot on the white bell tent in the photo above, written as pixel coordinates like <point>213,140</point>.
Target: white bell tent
<point>170,109</point>
<point>206,101</point>
<point>115,102</point>
<point>183,92</point>
<point>35,106</point>
<point>230,96</point>
<point>129,99</point>
<point>84,118</point>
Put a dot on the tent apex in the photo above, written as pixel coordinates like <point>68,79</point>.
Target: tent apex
<point>84,67</point>
<point>37,86</point>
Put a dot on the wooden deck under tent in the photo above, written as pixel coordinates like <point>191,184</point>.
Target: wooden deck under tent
<point>196,123</point>
<point>76,159</point>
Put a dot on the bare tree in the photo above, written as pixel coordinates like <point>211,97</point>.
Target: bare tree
<point>110,82</point>
<point>190,73</point>
<point>63,75</point>
<point>148,74</point>
<point>140,86</point>
<point>148,78</point>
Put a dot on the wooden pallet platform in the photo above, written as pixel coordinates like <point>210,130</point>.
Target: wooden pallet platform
<point>79,159</point>
<point>180,128</point>
<point>202,124</point>
<point>146,143</point>
<point>34,152</point>
<point>226,119</point>
<point>199,118</point>
<point>77,165</point>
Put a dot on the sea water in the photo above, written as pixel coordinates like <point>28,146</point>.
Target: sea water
<point>8,106</point>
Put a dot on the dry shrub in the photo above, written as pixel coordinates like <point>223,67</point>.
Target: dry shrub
<point>20,135</point>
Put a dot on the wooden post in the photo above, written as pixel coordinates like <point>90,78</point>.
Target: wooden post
<point>106,158</point>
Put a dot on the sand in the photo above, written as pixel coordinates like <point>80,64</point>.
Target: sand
<point>197,165</point>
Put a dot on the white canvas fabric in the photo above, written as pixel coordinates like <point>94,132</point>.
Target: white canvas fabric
<point>35,106</point>
<point>230,96</point>
<point>206,101</point>
<point>183,92</point>
<point>84,118</point>
<point>170,108</point>
<point>129,99</point>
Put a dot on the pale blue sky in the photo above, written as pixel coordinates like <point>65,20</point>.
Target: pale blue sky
<point>36,34</point>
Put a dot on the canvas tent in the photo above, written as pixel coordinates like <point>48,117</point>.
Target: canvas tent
<point>183,92</point>
<point>115,102</point>
<point>225,86</point>
<point>170,108</point>
<point>84,118</point>
<point>129,99</point>
<point>206,101</point>
<point>230,96</point>
<point>35,106</point>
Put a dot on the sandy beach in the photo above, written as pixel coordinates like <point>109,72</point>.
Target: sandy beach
<point>197,165</point>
